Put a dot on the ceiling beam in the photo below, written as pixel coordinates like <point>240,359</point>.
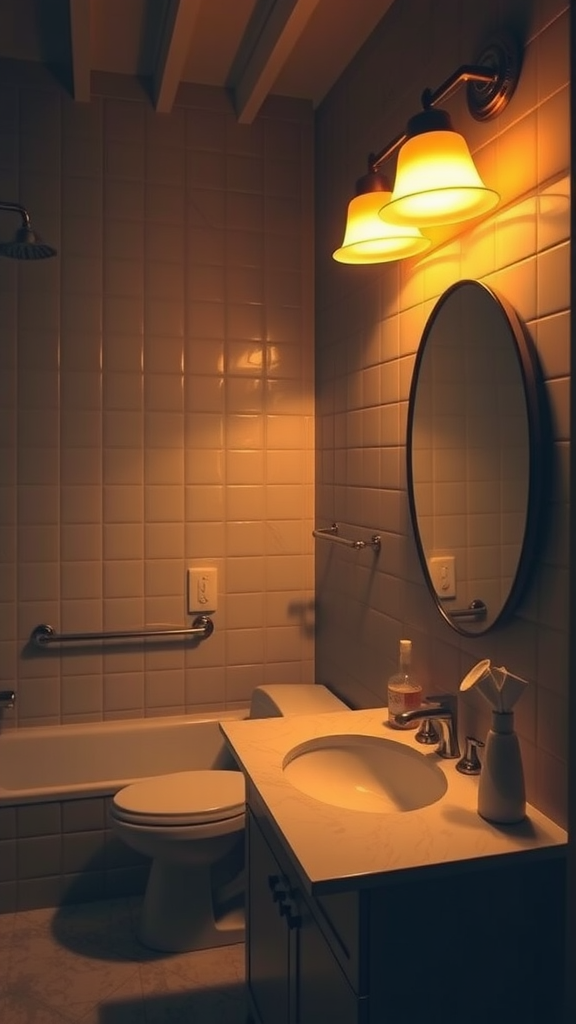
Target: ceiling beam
<point>272,33</point>
<point>172,51</point>
<point>79,11</point>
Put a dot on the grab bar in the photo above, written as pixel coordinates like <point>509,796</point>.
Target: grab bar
<point>41,636</point>
<point>331,533</point>
<point>476,610</point>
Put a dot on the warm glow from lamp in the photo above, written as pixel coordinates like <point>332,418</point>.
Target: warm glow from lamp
<point>436,179</point>
<point>368,239</point>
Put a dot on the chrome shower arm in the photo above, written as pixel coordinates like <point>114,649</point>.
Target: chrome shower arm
<point>16,208</point>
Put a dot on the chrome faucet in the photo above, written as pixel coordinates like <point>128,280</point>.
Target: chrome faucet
<point>441,711</point>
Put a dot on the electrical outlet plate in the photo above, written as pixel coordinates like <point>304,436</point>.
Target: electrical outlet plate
<point>442,570</point>
<point>202,590</point>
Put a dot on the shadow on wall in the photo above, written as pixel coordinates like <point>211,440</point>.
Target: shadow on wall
<point>305,614</point>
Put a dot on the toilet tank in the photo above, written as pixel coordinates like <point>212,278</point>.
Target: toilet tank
<point>280,699</point>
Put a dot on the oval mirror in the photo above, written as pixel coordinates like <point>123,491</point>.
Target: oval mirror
<point>475,445</point>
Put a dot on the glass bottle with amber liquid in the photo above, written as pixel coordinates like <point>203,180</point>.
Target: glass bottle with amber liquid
<point>404,693</point>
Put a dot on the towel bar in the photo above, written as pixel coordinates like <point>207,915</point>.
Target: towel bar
<point>331,533</point>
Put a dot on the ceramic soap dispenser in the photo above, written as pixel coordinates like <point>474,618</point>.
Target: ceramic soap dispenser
<point>501,792</point>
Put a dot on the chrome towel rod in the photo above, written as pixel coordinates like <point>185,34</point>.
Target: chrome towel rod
<point>41,636</point>
<point>331,533</point>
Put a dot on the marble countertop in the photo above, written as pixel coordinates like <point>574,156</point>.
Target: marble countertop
<point>339,849</point>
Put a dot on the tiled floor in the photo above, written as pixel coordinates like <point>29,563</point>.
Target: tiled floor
<point>83,965</point>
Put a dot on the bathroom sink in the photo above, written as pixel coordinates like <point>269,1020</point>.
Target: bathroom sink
<point>364,773</point>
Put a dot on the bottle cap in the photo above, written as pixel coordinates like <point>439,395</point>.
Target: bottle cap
<point>405,645</point>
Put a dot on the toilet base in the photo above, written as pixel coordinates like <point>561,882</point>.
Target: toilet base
<point>178,913</point>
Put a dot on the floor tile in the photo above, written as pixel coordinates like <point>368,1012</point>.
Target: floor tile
<point>83,964</point>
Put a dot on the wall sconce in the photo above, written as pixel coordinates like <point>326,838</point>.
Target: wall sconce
<point>436,180</point>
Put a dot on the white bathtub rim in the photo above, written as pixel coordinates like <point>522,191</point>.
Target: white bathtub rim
<point>92,789</point>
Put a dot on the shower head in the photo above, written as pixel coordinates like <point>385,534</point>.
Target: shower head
<point>26,245</point>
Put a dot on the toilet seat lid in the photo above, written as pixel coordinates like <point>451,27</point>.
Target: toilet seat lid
<point>184,797</point>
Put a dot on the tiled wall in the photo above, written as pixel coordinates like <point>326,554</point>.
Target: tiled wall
<point>156,395</point>
<point>369,324</point>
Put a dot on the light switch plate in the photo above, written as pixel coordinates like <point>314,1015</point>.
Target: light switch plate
<point>202,590</point>
<point>443,575</point>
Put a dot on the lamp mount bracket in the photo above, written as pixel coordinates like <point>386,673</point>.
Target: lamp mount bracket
<point>490,86</point>
<point>502,59</point>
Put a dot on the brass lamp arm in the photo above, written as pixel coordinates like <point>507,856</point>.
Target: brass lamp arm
<point>491,84</point>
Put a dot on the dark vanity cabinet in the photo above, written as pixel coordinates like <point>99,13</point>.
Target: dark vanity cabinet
<point>302,963</point>
<point>482,945</point>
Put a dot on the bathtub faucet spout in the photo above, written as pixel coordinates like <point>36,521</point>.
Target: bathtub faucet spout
<point>7,698</point>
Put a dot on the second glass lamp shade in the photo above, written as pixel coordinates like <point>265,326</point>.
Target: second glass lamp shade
<point>368,239</point>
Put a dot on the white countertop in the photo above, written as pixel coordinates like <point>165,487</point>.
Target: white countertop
<point>333,846</point>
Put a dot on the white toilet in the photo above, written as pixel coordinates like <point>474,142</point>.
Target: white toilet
<point>192,826</point>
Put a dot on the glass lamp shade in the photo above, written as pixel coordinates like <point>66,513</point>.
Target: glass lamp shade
<point>437,182</point>
<point>369,239</point>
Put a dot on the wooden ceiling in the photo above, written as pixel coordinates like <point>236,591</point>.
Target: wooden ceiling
<point>293,48</point>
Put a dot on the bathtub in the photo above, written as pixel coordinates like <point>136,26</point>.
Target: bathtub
<point>69,762</point>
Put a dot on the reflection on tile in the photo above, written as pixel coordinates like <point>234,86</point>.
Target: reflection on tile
<point>84,963</point>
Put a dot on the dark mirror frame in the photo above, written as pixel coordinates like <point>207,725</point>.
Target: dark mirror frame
<point>539,454</point>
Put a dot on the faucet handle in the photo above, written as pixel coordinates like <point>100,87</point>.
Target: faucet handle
<point>470,764</point>
<point>427,733</point>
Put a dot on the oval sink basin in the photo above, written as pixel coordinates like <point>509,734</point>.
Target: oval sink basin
<point>364,773</point>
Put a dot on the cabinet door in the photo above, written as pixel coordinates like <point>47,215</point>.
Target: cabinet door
<point>324,994</point>
<point>293,975</point>
<point>270,943</point>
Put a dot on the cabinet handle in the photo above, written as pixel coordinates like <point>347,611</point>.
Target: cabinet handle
<point>278,888</point>
<point>288,910</point>
<point>293,920</point>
